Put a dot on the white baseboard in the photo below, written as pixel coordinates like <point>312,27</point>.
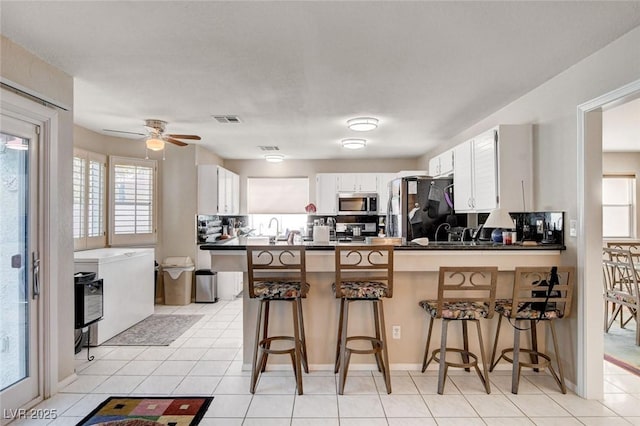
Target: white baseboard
<point>67,381</point>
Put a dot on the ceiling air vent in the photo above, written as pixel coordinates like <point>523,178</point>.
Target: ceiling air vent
<point>226,119</point>
<point>268,148</point>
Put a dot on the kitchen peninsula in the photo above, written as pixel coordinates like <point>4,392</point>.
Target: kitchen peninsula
<point>415,279</point>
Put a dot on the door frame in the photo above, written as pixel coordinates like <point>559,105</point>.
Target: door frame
<point>590,370</point>
<point>47,118</point>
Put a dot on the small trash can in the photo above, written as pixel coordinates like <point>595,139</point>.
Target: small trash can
<point>206,286</point>
<point>177,277</point>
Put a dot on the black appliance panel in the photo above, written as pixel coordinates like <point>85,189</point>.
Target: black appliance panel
<point>89,302</point>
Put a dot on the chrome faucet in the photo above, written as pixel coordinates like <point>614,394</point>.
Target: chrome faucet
<point>277,225</point>
<point>446,227</point>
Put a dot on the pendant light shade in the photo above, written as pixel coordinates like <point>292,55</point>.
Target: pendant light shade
<point>362,124</point>
<point>155,144</point>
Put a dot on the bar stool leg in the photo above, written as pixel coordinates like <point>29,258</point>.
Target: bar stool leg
<point>495,345</point>
<point>515,372</point>
<point>485,367</point>
<point>534,343</point>
<point>375,345</point>
<point>297,345</point>
<point>339,342</point>
<point>465,342</point>
<point>425,363</point>
<point>263,361</point>
<point>343,347</point>
<point>305,360</point>
<point>385,352</point>
<point>442,371</point>
<point>563,387</point>
<point>256,349</point>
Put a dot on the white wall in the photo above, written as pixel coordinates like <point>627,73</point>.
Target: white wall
<point>309,168</point>
<point>21,67</point>
<point>552,108</point>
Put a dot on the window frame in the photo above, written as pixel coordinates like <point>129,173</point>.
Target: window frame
<point>84,241</point>
<point>131,239</point>
<point>631,206</point>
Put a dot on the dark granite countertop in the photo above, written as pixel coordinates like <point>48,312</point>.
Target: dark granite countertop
<point>234,244</point>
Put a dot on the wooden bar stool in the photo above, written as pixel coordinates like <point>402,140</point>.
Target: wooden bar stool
<point>531,303</point>
<point>278,273</point>
<point>363,273</point>
<point>464,294</point>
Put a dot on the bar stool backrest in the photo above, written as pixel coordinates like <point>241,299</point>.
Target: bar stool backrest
<point>275,263</point>
<point>620,274</point>
<point>528,280</point>
<point>473,284</point>
<point>362,263</point>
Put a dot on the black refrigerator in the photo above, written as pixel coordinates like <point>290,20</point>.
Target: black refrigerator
<point>418,205</point>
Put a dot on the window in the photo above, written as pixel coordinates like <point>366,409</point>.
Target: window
<point>277,195</point>
<point>89,199</point>
<point>132,199</point>
<point>618,206</point>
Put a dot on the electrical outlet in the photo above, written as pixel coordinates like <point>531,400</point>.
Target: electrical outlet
<point>395,331</point>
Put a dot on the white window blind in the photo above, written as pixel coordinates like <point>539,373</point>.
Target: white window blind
<point>618,206</point>
<point>132,199</point>
<point>277,195</point>
<point>89,199</point>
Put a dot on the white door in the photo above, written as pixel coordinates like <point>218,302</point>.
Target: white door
<point>20,334</point>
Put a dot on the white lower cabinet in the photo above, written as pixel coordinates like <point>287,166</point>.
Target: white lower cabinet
<point>229,285</point>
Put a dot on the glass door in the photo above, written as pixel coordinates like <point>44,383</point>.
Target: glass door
<point>20,347</point>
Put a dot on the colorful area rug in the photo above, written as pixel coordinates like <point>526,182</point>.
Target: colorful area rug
<point>149,411</point>
<point>155,330</point>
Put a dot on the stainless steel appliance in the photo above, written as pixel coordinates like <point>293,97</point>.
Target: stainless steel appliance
<point>357,203</point>
<point>89,302</point>
<point>418,205</point>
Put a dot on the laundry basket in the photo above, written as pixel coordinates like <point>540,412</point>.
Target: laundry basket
<point>178,276</point>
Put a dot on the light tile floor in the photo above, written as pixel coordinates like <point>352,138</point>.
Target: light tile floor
<point>207,360</point>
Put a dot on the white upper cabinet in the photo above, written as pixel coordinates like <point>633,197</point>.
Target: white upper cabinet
<point>442,165</point>
<point>326,193</point>
<point>357,182</point>
<point>218,190</point>
<point>494,169</point>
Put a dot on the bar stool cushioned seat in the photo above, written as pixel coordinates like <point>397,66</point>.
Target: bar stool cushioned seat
<point>457,310</point>
<point>504,307</point>
<point>276,274</point>
<point>363,273</point>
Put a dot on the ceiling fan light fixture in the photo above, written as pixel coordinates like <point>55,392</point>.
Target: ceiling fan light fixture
<point>155,144</point>
<point>274,158</point>
<point>362,124</point>
<point>354,143</point>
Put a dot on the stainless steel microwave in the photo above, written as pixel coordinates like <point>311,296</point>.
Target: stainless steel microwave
<point>358,203</point>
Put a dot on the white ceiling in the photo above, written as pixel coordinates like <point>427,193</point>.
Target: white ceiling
<point>294,72</point>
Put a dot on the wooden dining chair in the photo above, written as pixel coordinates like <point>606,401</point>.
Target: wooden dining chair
<point>621,288</point>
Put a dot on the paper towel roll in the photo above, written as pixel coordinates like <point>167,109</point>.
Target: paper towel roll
<point>321,234</point>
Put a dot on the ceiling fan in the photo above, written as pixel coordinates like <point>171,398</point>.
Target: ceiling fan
<point>156,137</point>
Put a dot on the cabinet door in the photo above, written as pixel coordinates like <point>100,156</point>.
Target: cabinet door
<point>207,189</point>
<point>223,190</point>
<point>347,182</point>
<point>463,187</point>
<point>326,193</point>
<point>235,191</point>
<point>485,172</point>
<point>446,163</point>
<point>366,182</point>
<point>434,166</point>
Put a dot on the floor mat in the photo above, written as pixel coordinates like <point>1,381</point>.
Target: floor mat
<point>620,347</point>
<point>156,330</point>
<point>148,411</point>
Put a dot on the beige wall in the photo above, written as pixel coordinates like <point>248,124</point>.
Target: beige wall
<point>309,168</point>
<point>24,69</point>
<point>627,163</point>
<point>552,108</point>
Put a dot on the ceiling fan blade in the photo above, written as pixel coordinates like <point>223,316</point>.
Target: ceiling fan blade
<point>193,137</point>
<point>174,141</point>
<point>123,131</point>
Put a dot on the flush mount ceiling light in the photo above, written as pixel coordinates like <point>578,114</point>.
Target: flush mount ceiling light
<point>354,143</point>
<point>155,144</point>
<point>362,124</point>
<point>274,158</point>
